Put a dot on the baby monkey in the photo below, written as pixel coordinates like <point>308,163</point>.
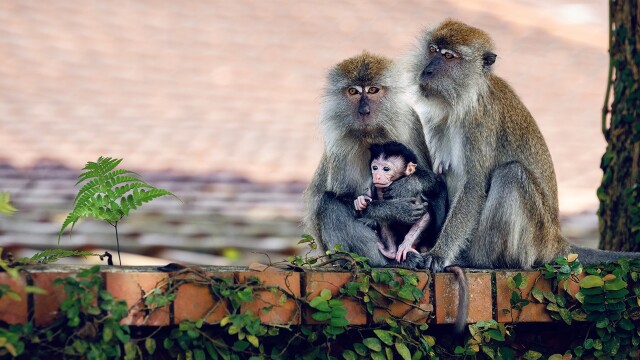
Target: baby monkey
<point>389,162</point>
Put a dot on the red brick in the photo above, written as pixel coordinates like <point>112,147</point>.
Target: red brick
<point>195,301</point>
<point>47,306</point>
<point>132,286</point>
<point>401,310</point>
<point>287,313</point>
<point>12,311</point>
<point>446,297</point>
<point>333,281</point>
<point>533,312</point>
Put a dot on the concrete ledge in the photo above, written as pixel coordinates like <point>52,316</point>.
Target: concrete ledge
<point>489,295</point>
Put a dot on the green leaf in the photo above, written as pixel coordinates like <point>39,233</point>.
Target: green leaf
<point>150,345</point>
<point>325,294</point>
<point>615,284</point>
<point>591,281</point>
<point>385,336</point>
<point>532,355</point>
<point>372,343</point>
<point>321,316</point>
<point>626,324</point>
<point>5,204</point>
<point>378,356</point>
<point>403,351</point>
<point>349,355</point>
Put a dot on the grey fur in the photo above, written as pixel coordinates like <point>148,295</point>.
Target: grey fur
<point>343,172</point>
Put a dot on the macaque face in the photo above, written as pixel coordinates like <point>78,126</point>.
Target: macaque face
<point>385,171</point>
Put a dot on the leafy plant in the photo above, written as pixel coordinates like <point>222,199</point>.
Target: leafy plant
<point>5,204</point>
<point>109,194</point>
<point>52,255</point>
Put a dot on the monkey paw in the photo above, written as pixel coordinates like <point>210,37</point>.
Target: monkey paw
<point>414,260</point>
<point>434,262</point>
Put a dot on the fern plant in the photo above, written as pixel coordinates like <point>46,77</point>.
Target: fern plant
<point>109,194</point>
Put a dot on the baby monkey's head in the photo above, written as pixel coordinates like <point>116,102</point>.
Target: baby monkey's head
<point>391,161</point>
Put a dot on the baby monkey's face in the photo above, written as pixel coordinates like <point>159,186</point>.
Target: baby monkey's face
<point>386,170</point>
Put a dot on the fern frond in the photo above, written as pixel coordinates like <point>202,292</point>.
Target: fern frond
<point>5,204</point>
<point>53,255</point>
<point>109,194</point>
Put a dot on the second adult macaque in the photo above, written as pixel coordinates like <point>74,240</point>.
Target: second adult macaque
<point>389,162</point>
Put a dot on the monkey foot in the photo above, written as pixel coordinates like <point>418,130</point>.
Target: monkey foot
<point>434,262</point>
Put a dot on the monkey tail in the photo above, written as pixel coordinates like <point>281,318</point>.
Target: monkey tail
<point>463,298</point>
<point>589,256</point>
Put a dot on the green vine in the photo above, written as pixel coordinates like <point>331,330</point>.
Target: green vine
<point>602,299</point>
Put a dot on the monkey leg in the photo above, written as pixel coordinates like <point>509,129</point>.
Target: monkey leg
<point>512,222</point>
<point>412,237</point>
<point>338,225</point>
<point>387,242</point>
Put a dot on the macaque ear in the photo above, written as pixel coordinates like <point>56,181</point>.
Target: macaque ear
<point>411,168</point>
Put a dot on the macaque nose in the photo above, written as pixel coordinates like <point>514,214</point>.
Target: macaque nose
<point>363,107</point>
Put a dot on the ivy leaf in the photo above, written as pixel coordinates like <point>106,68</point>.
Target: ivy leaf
<point>403,351</point>
<point>385,336</point>
<point>150,345</point>
<point>372,343</point>
<point>591,281</point>
<point>349,355</point>
<point>533,355</point>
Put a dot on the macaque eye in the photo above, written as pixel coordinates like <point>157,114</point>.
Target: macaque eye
<point>432,48</point>
<point>374,167</point>
<point>448,55</point>
<point>373,90</point>
<point>352,91</point>
<point>386,169</point>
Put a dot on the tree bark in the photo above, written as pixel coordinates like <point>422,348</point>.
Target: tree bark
<point>619,193</point>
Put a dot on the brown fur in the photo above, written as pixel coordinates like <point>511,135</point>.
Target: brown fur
<point>363,69</point>
<point>461,34</point>
<point>502,186</point>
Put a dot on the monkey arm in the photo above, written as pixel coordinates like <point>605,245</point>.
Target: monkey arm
<point>411,238</point>
<point>458,227</point>
<point>406,210</point>
<point>405,187</point>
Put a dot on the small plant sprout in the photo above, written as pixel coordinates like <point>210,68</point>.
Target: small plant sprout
<point>5,204</point>
<point>109,194</point>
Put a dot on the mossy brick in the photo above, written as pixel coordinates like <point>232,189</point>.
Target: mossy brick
<point>14,311</point>
<point>47,306</point>
<point>317,281</point>
<point>446,297</point>
<point>416,313</point>
<point>132,286</point>
<point>195,301</point>
<point>532,312</point>
<point>274,307</point>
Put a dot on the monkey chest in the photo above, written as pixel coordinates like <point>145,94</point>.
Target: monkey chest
<point>447,148</point>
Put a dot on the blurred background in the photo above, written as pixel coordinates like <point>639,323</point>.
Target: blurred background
<point>217,101</point>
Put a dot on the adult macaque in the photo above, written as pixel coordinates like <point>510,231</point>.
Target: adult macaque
<point>499,173</point>
<point>364,104</point>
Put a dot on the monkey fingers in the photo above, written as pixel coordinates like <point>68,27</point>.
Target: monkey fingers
<point>361,202</point>
<point>403,250</point>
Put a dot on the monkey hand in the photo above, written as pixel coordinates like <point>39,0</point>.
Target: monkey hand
<point>414,260</point>
<point>404,248</point>
<point>435,262</point>
<point>405,187</point>
<point>360,203</point>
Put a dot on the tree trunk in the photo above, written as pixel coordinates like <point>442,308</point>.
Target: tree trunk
<point>619,193</point>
